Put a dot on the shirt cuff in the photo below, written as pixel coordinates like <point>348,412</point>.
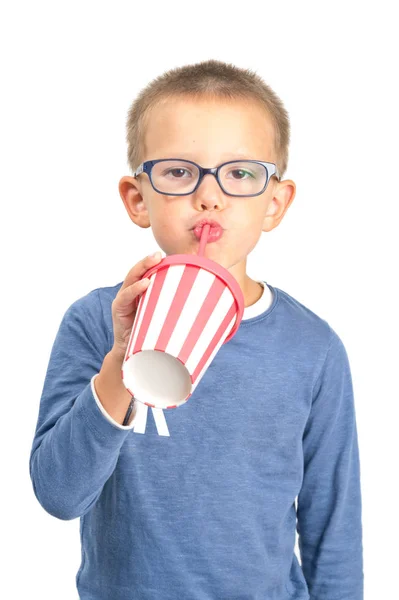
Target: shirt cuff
<point>104,412</point>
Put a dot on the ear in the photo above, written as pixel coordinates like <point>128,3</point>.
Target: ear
<point>131,193</point>
<point>282,197</point>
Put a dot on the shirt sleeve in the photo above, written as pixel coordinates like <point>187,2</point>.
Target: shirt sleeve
<point>329,512</point>
<point>106,415</point>
<point>75,447</point>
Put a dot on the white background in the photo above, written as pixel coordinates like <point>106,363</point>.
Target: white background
<point>70,71</point>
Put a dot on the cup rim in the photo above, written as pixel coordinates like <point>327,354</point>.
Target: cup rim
<point>213,267</point>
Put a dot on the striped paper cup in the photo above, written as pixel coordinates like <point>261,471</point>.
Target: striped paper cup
<point>191,307</point>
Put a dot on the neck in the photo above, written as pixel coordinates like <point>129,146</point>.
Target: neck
<point>252,292</point>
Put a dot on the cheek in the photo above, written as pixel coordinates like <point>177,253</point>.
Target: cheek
<point>167,224</point>
<point>249,220</point>
<point>249,229</point>
<point>249,238</point>
<point>168,230</point>
<point>162,216</point>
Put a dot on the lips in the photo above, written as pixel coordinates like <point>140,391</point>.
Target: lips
<point>215,232</point>
<point>211,222</point>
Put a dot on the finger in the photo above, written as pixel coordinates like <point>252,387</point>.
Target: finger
<point>124,299</point>
<point>136,272</point>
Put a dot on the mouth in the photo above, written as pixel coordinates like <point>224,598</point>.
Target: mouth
<point>214,234</point>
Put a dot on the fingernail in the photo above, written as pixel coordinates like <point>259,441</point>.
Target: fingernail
<point>155,255</point>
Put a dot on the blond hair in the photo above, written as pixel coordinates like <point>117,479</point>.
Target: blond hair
<point>208,79</point>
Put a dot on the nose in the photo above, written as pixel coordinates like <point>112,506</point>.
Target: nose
<point>209,192</point>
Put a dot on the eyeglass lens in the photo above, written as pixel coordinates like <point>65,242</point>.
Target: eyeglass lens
<point>180,177</point>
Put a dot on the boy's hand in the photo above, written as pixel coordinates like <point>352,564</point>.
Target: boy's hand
<point>123,306</point>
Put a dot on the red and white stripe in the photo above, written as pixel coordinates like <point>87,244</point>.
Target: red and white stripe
<point>187,312</point>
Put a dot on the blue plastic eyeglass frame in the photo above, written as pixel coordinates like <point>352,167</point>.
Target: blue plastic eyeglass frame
<point>146,167</point>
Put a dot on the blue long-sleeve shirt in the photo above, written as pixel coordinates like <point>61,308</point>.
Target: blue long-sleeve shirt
<point>198,502</point>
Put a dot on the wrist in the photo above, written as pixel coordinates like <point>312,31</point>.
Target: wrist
<point>110,388</point>
<point>111,370</point>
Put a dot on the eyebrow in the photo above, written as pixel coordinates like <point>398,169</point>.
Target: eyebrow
<point>189,156</point>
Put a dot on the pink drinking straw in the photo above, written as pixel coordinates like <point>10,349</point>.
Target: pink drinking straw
<point>204,239</point>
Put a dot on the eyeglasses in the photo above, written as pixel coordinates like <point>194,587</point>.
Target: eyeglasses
<point>177,177</point>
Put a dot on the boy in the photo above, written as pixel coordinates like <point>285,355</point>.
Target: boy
<point>198,502</point>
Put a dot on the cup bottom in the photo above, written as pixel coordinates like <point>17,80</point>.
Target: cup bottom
<point>157,379</point>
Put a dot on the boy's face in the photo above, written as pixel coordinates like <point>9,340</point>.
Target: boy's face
<point>208,132</point>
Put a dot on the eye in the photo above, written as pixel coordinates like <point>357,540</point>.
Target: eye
<point>242,173</point>
<point>177,172</point>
